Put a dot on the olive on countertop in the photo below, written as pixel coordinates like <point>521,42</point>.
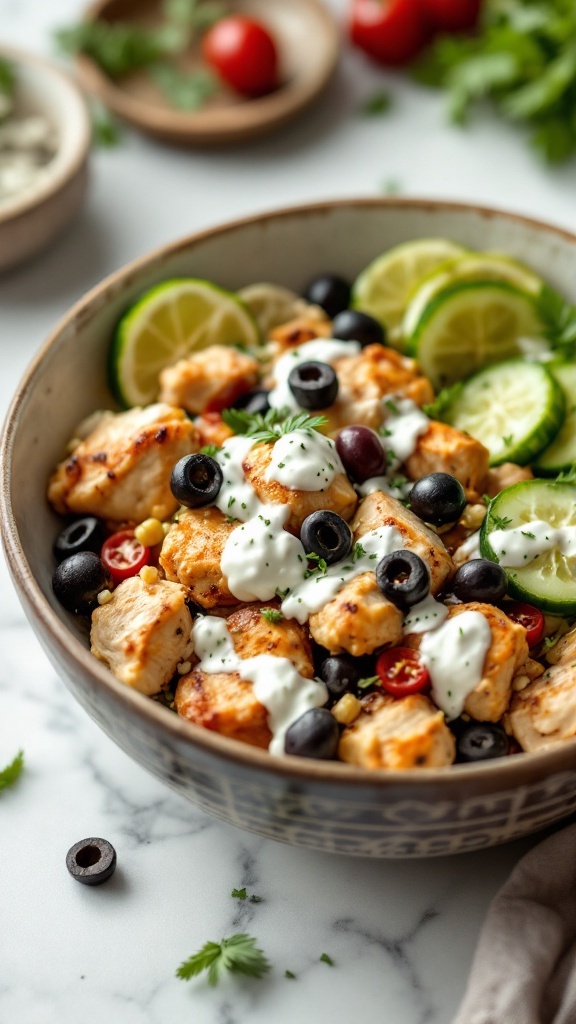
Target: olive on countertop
<point>91,861</point>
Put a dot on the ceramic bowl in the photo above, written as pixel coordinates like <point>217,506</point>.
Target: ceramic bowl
<point>308,45</point>
<point>31,220</point>
<point>321,805</point>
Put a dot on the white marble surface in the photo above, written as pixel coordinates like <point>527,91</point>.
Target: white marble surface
<point>401,935</point>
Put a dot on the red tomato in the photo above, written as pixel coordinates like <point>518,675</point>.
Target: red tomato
<point>528,616</point>
<point>243,53</point>
<point>390,31</point>
<point>452,15</point>
<point>123,555</point>
<point>402,672</point>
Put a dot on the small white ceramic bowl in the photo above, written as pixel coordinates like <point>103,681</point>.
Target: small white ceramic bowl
<point>30,220</point>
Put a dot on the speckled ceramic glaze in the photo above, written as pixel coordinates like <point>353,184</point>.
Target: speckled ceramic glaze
<point>325,806</point>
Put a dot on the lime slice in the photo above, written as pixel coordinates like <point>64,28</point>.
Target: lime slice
<point>560,456</point>
<point>469,325</point>
<point>482,266</point>
<point>271,305</point>
<point>168,322</point>
<point>514,408</point>
<point>549,580</point>
<point>382,290</point>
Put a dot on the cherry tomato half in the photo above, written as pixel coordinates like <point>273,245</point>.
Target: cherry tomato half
<point>528,616</point>
<point>452,15</point>
<point>390,31</point>
<point>402,672</point>
<point>243,53</point>
<point>123,555</point>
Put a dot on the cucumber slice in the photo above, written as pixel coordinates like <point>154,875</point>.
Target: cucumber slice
<point>549,581</point>
<point>561,454</point>
<point>514,408</point>
<point>471,324</point>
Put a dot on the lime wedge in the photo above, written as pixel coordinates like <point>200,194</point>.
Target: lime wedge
<point>271,305</point>
<point>383,289</point>
<point>169,322</point>
<point>469,325</point>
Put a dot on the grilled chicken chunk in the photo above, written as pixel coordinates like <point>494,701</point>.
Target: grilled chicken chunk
<point>544,712</point>
<point>224,702</point>
<point>143,633</point>
<point>191,555</point>
<point>380,509</point>
<point>504,476</point>
<point>378,371</point>
<point>338,497</point>
<point>508,651</point>
<point>212,429</point>
<point>442,449</point>
<point>358,620</point>
<point>409,732</point>
<point>313,323</point>
<point>121,471</point>
<point>209,380</point>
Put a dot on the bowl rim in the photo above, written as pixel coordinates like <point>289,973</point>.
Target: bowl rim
<point>53,180</point>
<point>508,771</point>
<point>219,125</point>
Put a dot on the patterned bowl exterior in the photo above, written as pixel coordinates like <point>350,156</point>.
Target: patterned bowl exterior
<point>323,806</point>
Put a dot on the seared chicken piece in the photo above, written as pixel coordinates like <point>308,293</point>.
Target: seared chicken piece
<point>442,449</point>
<point>358,620</point>
<point>312,324</point>
<point>212,429</point>
<point>338,497</point>
<point>226,703</point>
<point>506,475</point>
<point>544,711</point>
<point>380,509</point>
<point>121,471</point>
<point>378,371</point>
<point>409,732</point>
<point>191,555</point>
<point>143,633</point>
<point>209,380</point>
<point>507,653</point>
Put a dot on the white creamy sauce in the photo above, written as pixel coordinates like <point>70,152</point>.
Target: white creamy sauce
<point>427,614</point>
<point>404,424</point>
<point>454,656</point>
<point>278,686</point>
<point>237,497</point>
<point>304,460</point>
<point>322,350</point>
<point>395,485</point>
<point>470,548</point>
<point>523,544</point>
<point>260,557</point>
<point>27,145</point>
<point>313,593</point>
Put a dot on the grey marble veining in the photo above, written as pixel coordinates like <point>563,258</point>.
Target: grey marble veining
<point>401,935</point>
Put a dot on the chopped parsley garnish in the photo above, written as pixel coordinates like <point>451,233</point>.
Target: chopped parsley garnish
<point>392,407</point>
<point>444,399</point>
<point>282,594</point>
<point>271,614</point>
<point>500,522</point>
<point>238,954</point>
<point>239,894</point>
<point>12,772</point>
<point>209,449</point>
<point>526,533</point>
<point>508,440</point>
<point>274,424</point>
<point>325,959</point>
<point>320,567</point>
<point>364,684</point>
<point>359,551</point>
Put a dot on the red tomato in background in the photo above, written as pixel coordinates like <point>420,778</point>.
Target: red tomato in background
<point>390,31</point>
<point>243,53</point>
<point>402,672</point>
<point>123,555</point>
<point>528,616</point>
<point>452,15</point>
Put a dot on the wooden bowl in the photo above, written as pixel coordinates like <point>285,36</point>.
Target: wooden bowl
<point>321,805</point>
<point>308,45</point>
<point>31,220</point>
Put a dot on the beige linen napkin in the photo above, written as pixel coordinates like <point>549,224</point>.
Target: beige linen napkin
<point>524,971</point>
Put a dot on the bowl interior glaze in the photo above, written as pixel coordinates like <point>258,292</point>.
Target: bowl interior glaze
<point>321,805</point>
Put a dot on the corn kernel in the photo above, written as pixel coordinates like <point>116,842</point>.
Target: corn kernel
<point>184,667</point>
<point>166,527</point>
<point>105,596</point>
<point>347,709</point>
<point>149,574</point>
<point>149,533</point>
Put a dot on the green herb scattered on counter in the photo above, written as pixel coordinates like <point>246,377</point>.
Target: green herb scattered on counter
<point>325,959</point>
<point>256,899</point>
<point>238,954</point>
<point>377,104</point>
<point>271,614</point>
<point>185,90</point>
<point>106,131</point>
<point>12,772</point>
<point>289,974</point>
<point>239,894</point>
<point>391,187</point>
<point>523,58</point>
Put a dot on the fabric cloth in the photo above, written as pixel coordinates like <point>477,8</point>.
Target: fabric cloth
<point>524,971</point>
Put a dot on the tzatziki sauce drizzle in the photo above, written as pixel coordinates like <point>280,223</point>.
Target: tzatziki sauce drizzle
<point>322,350</point>
<point>454,655</point>
<point>522,544</point>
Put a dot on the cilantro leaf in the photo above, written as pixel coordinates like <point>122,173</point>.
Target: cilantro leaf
<point>238,954</point>
<point>239,894</point>
<point>117,48</point>
<point>359,551</point>
<point>12,772</point>
<point>444,399</point>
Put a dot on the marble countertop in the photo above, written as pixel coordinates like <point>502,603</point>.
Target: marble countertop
<point>401,935</point>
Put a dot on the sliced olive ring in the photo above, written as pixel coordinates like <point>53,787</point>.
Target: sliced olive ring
<point>482,741</point>
<point>326,534</point>
<point>403,578</point>
<point>85,534</point>
<point>196,480</point>
<point>314,385</point>
<point>91,861</point>
<point>253,401</point>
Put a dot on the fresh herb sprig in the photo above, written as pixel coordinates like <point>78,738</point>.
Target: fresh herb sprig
<point>523,59</point>
<point>274,424</point>
<point>437,409</point>
<point>12,772</point>
<point>238,955</point>
<point>568,476</point>
<point>558,319</point>
<point>271,615</point>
